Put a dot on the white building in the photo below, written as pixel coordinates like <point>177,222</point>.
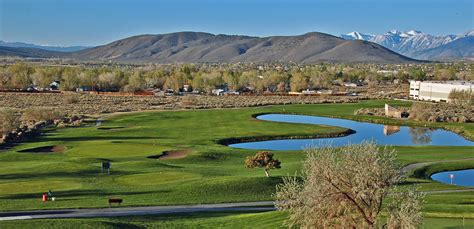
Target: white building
<point>437,91</point>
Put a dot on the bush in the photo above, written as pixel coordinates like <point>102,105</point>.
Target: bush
<point>71,98</point>
<point>37,114</point>
<point>461,97</point>
<point>9,120</point>
<point>420,111</point>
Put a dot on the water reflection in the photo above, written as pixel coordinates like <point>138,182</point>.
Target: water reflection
<point>382,134</point>
<point>420,135</point>
<point>388,130</point>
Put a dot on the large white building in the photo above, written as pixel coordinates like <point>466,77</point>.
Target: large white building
<point>437,91</point>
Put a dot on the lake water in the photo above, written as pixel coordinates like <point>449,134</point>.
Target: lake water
<point>381,134</point>
<point>461,177</point>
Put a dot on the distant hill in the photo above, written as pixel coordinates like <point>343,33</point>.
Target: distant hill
<point>194,47</point>
<point>44,47</point>
<point>206,47</point>
<point>30,52</point>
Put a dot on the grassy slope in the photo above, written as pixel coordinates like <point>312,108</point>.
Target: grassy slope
<point>74,175</point>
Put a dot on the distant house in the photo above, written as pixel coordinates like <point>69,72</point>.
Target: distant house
<point>187,88</point>
<point>350,84</point>
<point>308,92</point>
<point>388,72</point>
<point>84,89</point>
<point>169,92</point>
<point>54,85</point>
<point>325,92</point>
<point>218,91</point>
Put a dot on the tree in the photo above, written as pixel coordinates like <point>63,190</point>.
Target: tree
<point>20,75</point>
<point>5,78</point>
<point>42,78</point>
<point>417,74</point>
<point>70,80</point>
<point>176,81</point>
<point>135,83</point>
<point>299,82</point>
<point>9,121</point>
<point>345,188</point>
<point>264,160</point>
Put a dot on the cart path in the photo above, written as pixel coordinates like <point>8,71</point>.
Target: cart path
<point>135,211</point>
<point>414,166</point>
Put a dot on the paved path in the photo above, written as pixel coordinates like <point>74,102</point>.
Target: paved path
<point>414,166</point>
<point>134,211</point>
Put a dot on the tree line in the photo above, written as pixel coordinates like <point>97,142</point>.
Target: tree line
<point>21,76</point>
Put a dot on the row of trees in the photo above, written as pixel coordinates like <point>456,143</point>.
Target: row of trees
<point>204,79</point>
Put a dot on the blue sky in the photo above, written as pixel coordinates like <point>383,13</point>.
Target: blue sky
<point>95,22</point>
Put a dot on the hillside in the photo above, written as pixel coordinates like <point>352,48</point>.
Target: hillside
<point>194,47</point>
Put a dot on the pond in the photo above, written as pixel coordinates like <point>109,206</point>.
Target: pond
<point>460,177</point>
<point>381,134</point>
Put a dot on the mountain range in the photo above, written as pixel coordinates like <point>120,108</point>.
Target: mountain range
<point>44,47</point>
<point>419,45</point>
<point>194,47</point>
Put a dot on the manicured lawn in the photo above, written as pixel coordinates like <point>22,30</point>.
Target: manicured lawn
<point>210,173</point>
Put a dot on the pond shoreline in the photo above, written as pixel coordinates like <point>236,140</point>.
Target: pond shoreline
<point>230,141</point>
<point>384,134</point>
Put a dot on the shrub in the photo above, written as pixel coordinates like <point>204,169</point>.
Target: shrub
<point>71,98</point>
<point>264,160</point>
<point>9,120</point>
<point>37,114</point>
<point>420,111</point>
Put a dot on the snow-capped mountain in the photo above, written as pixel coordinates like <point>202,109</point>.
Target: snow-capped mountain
<point>408,43</point>
<point>357,36</point>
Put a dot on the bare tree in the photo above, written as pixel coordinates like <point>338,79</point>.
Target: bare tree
<point>264,160</point>
<point>345,188</point>
<point>8,121</point>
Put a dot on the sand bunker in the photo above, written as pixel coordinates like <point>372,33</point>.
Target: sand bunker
<point>110,127</point>
<point>171,154</point>
<point>44,149</point>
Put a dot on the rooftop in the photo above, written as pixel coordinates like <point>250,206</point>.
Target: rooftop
<point>452,82</point>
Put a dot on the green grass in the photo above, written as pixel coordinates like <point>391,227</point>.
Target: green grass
<point>211,173</point>
<point>200,220</point>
